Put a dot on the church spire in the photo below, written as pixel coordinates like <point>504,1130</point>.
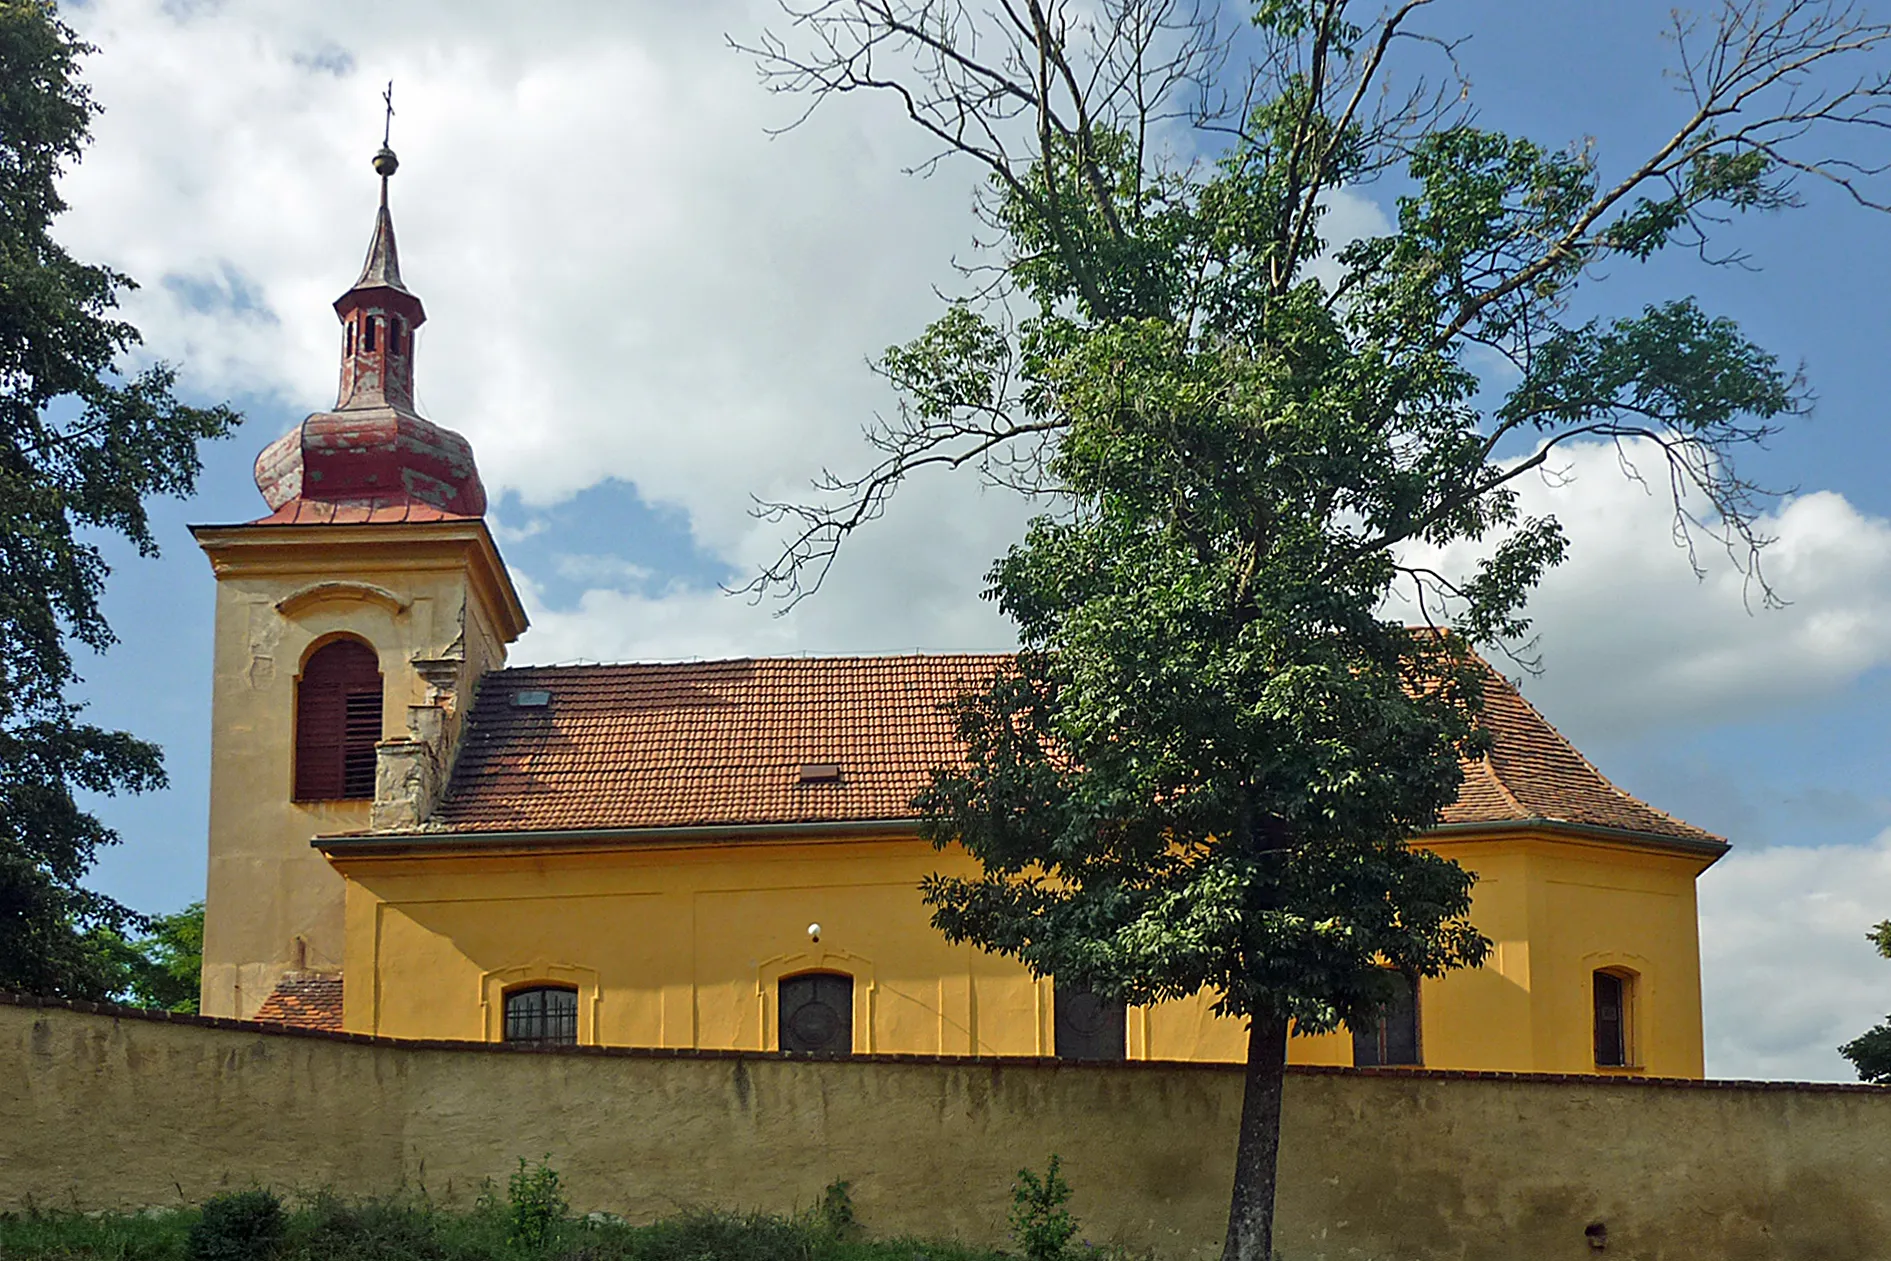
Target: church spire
<point>374,451</point>
<point>382,270</point>
<point>379,315</point>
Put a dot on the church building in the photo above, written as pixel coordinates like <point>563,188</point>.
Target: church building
<point>409,839</point>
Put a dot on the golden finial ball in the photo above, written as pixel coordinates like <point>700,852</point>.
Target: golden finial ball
<point>385,163</point>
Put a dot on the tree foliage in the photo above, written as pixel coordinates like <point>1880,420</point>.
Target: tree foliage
<point>1201,772</point>
<point>1870,1051</point>
<point>162,968</point>
<point>83,440</point>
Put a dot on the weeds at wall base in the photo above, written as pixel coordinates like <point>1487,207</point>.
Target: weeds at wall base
<point>407,1228</point>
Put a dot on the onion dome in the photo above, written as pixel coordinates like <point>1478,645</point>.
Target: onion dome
<point>373,451</point>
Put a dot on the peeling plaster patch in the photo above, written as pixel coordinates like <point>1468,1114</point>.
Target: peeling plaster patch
<point>265,635</point>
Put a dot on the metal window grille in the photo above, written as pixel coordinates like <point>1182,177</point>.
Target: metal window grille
<point>1392,1039</point>
<point>545,1015</point>
<point>816,1013</point>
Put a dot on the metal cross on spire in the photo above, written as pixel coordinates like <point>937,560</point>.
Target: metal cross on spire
<point>385,163</point>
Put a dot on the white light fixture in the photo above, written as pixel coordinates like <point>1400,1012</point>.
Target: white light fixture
<point>814,932</point>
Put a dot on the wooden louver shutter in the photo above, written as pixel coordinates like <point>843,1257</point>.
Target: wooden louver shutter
<point>338,722</point>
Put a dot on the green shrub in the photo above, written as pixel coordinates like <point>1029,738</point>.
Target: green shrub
<point>1040,1224</point>
<point>712,1236</point>
<point>537,1207</point>
<point>393,1229</point>
<point>242,1226</point>
<point>834,1215</point>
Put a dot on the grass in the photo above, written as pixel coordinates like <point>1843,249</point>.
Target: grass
<point>409,1228</point>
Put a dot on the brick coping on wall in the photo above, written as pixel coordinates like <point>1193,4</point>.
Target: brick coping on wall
<point>118,1012</point>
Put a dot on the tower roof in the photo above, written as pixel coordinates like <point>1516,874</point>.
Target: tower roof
<point>374,452</point>
<point>382,268</point>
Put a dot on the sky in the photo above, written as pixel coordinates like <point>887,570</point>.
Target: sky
<point>649,306</point>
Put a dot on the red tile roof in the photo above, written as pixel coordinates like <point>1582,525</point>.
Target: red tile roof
<point>725,742</point>
<point>396,511</point>
<point>707,742</point>
<point>306,1000</point>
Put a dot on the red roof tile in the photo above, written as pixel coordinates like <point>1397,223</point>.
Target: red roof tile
<point>299,511</point>
<point>305,1000</point>
<point>724,743</point>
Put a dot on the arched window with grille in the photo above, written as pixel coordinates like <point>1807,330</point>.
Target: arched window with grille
<point>337,723</point>
<point>542,1015</point>
<point>815,1012</point>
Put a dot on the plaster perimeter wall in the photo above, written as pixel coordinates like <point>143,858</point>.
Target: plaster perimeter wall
<point>114,1111</point>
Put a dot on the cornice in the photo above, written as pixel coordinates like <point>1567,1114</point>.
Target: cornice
<point>324,549</point>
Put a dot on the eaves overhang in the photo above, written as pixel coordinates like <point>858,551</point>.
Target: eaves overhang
<point>854,829</point>
<point>377,843</point>
<point>1706,847</point>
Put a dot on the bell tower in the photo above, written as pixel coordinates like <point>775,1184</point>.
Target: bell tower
<point>352,624</point>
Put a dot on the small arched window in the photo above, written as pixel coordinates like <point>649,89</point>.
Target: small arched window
<point>1085,1026</point>
<point>1614,1018</point>
<point>337,723</point>
<point>542,1015</point>
<point>816,1013</point>
<point>351,337</point>
<point>367,333</point>
<point>1393,1037</point>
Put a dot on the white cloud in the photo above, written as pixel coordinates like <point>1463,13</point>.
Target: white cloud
<point>1786,971</point>
<point>626,275</point>
<point>1631,642</point>
<point>907,584</point>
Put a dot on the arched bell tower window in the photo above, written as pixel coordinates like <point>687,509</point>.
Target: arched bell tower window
<point>337,723</point>
<point>816,1013</point>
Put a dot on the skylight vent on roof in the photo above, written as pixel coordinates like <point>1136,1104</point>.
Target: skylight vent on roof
<point>820,772</point>
<point>531,698</point>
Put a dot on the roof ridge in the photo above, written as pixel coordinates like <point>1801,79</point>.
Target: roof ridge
<point>809,658</point>
<point>1503,789</point>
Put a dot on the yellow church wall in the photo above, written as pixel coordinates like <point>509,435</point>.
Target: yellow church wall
<point>414,593</point>
<point>681,946</point>
<point>1556,911</point>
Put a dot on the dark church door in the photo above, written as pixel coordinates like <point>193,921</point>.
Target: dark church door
<point>1087,1027</point>
<point>817,1014</point>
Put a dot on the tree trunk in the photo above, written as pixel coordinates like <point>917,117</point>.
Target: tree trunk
<point>1257,1158</point>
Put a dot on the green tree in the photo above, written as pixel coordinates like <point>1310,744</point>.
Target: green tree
<point>85,436</point>
<point>163,968</point>
<point>1870,1051</point>
<point>1202,770</point>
